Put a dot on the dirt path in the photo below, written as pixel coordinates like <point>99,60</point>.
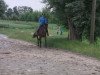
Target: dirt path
<point>22,58</point>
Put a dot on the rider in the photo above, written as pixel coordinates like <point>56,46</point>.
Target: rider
<point>41,21</point>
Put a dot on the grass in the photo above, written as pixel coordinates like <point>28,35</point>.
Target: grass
<point>19,30</point>
<point>24,30</point>
<point>76,46</point>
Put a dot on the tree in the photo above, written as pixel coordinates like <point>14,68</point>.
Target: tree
<point>9,13</point>
<point>15,10</point>
<point>88,10</point>
<point>66,11</point>
<point>75,14</point>
<point>24,9</point>
<point>93,15</point>
<point>3,7</point>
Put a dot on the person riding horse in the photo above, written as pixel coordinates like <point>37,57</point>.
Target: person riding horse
<point>42,30</point>
<point>43,22</point>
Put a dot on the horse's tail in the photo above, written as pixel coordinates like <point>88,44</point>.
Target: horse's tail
<point>35,34</point>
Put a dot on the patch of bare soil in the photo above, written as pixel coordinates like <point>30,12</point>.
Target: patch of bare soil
<point>23,58</point>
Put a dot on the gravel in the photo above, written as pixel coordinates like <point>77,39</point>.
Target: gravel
<point>22,58</point>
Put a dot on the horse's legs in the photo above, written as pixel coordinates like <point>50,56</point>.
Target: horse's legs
<point>45,41</point>
<point>40,41</point>
<point>37,40</point>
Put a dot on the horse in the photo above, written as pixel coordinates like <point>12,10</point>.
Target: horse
<point>39,34</point>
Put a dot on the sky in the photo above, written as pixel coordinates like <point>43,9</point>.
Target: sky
<point>35,4</point>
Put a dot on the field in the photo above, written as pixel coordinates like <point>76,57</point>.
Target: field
<point>24,30</point>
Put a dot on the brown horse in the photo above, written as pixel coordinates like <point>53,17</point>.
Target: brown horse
<point>41,33</point>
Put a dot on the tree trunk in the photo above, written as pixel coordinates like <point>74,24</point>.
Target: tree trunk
<point>72,34</point>
<point>92,30</point>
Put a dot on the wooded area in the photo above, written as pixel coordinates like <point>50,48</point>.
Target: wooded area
<point>80,17</point>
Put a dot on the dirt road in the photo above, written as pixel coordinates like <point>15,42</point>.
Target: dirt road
<point>23,58</point>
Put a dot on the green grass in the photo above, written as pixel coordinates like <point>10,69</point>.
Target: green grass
<point>19,30</point>
<point>24,30</point>
<point>76,46</point>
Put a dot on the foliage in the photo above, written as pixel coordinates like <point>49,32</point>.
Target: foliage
<point>3,7</point>
<point>79,11</point>
<point>9,13</point>
<point>24,13</point>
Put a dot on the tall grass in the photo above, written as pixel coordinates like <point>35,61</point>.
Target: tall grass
<point>76,46</point>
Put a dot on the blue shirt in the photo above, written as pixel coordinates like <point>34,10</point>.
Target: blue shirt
<point>46,21</point>
<point>42,21</point>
